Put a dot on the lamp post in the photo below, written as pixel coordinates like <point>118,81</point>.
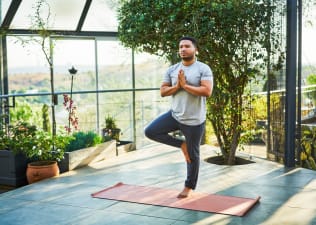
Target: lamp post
<point>72,72</point>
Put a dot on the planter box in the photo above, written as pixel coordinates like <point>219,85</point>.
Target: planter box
<point>12,169</point>
<point>83,157</point>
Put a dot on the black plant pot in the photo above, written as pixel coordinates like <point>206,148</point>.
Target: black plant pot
<point>12,169</point>
<point>111,134</point>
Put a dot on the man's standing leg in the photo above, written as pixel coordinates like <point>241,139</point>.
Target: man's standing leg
<point>193,136</point>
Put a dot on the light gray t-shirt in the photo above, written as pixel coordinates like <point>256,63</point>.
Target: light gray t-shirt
<point>186,108</point>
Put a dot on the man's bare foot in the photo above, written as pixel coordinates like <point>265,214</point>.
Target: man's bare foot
<point>184,193</point>
<point>185,152</point>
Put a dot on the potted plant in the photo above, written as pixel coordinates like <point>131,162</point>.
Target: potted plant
<point>13,164</point>
<point>39,147</point>
<point>45,152</point>
<point>110,132</point>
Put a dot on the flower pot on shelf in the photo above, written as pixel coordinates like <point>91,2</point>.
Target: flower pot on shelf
<point>41,170</point>
<point>111,134</point>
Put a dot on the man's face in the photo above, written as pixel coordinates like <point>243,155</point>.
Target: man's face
<point>186,50</point>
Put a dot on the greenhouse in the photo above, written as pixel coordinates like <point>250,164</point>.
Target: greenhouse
<point>110,77</point>
<point>81,69</point>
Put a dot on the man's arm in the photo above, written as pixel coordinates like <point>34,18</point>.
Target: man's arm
<point>166,89</point>
<point>205,88</point>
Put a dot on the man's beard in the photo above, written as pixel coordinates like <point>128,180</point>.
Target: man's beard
<point>187,58</point>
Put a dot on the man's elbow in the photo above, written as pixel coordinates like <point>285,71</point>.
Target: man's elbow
<point>163,93</point>
<point>208,93</point>
<point>208,87</point>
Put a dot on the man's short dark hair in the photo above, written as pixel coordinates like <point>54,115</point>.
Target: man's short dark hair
<point>193,40</point>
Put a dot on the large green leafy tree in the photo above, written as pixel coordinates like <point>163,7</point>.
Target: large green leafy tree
<point>235,38</point>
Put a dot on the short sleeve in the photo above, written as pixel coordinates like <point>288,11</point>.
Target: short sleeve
<point>206,73</point>
<point>167,77</point>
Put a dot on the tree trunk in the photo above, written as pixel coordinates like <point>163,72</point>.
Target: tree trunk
<point>233,148</point>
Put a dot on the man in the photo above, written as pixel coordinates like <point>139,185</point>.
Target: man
<point>189,82</point>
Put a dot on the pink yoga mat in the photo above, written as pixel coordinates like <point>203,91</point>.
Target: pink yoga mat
<point>213,203</point>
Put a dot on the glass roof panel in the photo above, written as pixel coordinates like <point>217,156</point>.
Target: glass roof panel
<point>102,16</point>
<point>4,6</point>
<point>57,14</point>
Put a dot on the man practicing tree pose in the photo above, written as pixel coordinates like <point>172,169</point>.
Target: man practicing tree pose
<point>189,82</point>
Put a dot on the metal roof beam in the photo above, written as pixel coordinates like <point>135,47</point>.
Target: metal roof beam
<point>64,33</point>
<point>83,15</point>
<point>13,8</point>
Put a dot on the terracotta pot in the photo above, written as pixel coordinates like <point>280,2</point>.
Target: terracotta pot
<point>40,170</point>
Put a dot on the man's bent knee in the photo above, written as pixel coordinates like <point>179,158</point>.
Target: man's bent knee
<point>149,133</point>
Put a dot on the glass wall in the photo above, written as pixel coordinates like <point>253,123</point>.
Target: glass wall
<point>114,65</point>
<point>108,83</point>
<point>305,95</point>
<point>27,68</point>
<point>79,54</point>
<point>149,71</point>
<point>104,84</point>
<point>306,149</point>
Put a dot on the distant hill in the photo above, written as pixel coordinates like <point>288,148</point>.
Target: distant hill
<point>148,75</point>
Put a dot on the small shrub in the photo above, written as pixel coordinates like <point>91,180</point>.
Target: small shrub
<point>308,148</point>
<point>83,140</point>
<point>110,122</point>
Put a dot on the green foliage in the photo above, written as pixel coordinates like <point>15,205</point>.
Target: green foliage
<point>45,117</point>
<point>111,132</point>
<point>255,110</point>
<point>110,122</point>
<point>25,111</point>
<point>83,140</point>
<point>277,121</point>
<point>48,147</point>
<point>22,111</point>
<point>17,136</point>
<point>235,37</point>
<point>311,92</point>
<point>311,79</point>
<point>308,148</point>
<point>37,145</point>
<point>259,106</point>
